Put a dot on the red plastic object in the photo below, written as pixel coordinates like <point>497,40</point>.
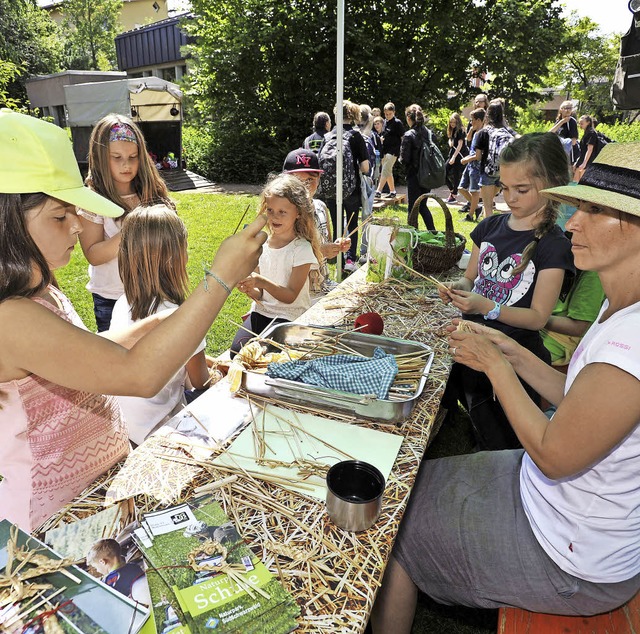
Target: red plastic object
<point>369,323</point>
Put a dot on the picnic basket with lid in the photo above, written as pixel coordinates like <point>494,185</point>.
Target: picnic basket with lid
<point>433,258</point>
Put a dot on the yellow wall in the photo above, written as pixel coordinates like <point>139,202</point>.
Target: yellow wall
<point>140,12</point>
<point>134,13</point>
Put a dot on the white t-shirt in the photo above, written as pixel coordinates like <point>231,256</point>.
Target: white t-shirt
<point>142,415</point>
<point>104,279</point>
<point>276,266</point>
<point>589,523</point>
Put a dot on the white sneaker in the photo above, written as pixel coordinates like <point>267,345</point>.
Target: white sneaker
<point>350,266</point>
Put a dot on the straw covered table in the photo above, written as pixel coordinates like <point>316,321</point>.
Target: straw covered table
<point>333,574</point>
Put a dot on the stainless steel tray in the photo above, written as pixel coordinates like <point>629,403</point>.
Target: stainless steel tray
<point>368,406</point>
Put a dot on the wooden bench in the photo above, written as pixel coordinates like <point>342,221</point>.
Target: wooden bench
<point>379,203</point>
<point>624,620</point>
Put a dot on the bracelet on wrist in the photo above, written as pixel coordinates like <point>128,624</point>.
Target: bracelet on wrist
<point>209,273</point>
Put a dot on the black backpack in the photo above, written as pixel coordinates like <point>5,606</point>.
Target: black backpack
<point>431,164</point>
<point>327,157</point>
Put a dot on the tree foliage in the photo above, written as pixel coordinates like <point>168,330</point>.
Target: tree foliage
<point>29,45</point>
<point>263,67</point>
<point>518,41</point>
<point>586,70</point>
<point>90,28</point>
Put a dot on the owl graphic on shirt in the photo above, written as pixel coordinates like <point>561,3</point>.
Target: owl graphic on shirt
<point>496,280</point>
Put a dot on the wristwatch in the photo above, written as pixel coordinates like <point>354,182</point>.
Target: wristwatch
<point>494,313</point>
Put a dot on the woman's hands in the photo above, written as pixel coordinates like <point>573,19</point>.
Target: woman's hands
<point>238,255</point>
<point>483,346</point>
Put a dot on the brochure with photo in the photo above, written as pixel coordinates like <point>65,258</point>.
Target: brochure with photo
<point>82,604</point>
<point>215,579</point>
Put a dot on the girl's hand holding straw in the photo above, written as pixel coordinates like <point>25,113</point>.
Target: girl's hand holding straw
<point>238,255</point>
<point>470,303</point>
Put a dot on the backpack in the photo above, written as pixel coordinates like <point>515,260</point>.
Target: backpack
<point>431,164</point>
<point>603,138</point>
<point>371,152</point>
<point>327,157</point>
<point>499,138</point>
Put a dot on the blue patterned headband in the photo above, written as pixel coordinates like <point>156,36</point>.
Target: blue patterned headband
<point>122,132</point>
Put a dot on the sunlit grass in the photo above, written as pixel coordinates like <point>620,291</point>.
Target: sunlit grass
<point>209,219</point>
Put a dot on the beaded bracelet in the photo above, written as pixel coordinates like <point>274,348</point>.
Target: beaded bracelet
<point>208,273</point>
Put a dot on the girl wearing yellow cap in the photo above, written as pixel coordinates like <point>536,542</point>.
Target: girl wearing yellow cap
<point>59,430</point>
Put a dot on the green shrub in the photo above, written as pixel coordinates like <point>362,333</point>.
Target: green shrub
<point>220,153</point>
<point>621,132</point>
<point>197,149</point>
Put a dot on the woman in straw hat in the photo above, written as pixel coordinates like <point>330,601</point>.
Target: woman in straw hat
<point>58,430</point>
<point>554,527</point>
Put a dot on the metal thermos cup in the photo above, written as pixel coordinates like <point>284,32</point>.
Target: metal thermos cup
<point>354,494</point>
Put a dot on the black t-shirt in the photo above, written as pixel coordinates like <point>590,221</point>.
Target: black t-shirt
<point>482,144</point>
<point>455,139</point>
<point>358,149</point>
<point>392,136</point>
<point>569,130</point>
<point>589,137</point>
<point>412,141</point>
<point>500,251</point>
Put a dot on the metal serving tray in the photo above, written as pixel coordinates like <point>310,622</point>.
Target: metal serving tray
<point>367,406</point>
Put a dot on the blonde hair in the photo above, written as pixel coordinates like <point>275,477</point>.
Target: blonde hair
<point>153,259</point>
<point>350,112</point>
<point>293,189</point>
<point>147,184</point>
<point>366,119</point>
<point>564,104</point>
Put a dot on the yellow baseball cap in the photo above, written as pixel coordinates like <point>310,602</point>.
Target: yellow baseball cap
<point>38,157</point>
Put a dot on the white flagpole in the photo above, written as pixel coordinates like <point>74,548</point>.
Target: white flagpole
<point>339,126</point>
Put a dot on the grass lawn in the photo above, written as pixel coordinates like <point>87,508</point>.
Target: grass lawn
<point>209,219</point>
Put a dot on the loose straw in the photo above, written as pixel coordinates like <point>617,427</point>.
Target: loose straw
<point>361,226</point>
<point>246,211</point>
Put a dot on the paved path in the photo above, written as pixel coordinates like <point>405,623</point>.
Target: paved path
<point>254,190</point>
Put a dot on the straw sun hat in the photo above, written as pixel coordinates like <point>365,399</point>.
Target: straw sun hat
<point>612,180</point>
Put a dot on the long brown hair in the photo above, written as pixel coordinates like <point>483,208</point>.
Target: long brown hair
<point>19,253</point>
<point>294,190</point>
<point>153,259</point>
<point>458,127</point>
<point>147,184</point>
<point>547,162</point>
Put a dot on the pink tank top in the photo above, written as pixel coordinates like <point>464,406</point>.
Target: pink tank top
<point>55,441</point>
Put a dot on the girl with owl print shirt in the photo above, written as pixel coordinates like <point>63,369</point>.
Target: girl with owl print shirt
<point>514,277</point>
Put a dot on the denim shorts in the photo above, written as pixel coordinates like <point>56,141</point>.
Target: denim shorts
<point>102,309</point>
<point>486,180</point>
<point>470,178</point>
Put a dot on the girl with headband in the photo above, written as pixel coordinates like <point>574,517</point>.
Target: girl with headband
<point>121,170</point>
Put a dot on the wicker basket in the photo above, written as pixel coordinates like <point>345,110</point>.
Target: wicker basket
<point>430,258</point>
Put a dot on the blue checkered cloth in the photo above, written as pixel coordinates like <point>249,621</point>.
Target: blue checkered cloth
<point>344,372</point>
